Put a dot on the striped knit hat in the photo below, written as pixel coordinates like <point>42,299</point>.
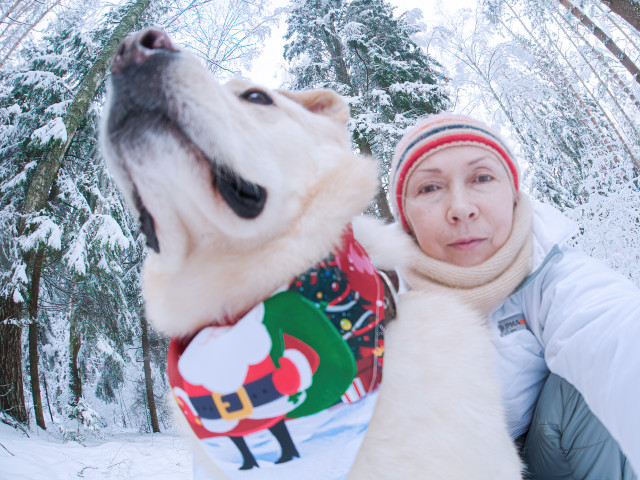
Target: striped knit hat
<point>435,133</point>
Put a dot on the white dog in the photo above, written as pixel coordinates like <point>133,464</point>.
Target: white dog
<point>240,190</point>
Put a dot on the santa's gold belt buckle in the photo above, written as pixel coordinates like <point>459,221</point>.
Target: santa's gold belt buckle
<point>244,412</point>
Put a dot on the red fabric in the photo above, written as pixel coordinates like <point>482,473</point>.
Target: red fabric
<point>312,357</point>
<point>287,378</point>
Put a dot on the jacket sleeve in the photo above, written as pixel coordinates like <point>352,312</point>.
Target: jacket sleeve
<point>590,328</point>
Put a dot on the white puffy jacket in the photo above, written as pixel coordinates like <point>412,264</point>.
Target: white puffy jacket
<point>579,319</point>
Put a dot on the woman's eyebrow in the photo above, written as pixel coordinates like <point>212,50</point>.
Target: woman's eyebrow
<point>428,170</point>
<point>479,159</point>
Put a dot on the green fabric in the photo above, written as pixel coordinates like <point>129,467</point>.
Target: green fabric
<point>289,312</point>
<point>567,442</point>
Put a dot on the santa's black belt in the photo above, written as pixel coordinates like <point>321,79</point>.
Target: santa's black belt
<point>238,404</point>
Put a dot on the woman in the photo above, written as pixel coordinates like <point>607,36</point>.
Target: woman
<point>566,327</point>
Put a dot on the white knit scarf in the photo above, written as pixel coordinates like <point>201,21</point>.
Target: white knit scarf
<point>484,286</point>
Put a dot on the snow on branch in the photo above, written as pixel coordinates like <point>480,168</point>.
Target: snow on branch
<point>53,130</point>
<point>99,233</point>
<point>43,232</point>
<point>19,179</point>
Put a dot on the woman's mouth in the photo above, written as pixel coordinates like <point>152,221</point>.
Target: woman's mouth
<point>468,243</point>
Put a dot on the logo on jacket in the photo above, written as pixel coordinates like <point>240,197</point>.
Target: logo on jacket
<point>512,324</point>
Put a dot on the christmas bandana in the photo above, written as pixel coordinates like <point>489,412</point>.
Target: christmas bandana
<point>290,388</point>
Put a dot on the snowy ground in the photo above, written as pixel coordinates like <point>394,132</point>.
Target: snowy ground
<point>125,456</point>
<point>327,443</point>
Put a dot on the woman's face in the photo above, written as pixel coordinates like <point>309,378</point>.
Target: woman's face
<point>459,203</point>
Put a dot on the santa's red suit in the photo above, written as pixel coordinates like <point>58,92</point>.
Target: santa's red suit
<point>247,399</point>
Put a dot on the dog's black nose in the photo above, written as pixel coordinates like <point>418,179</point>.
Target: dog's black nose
<point>136,48</point>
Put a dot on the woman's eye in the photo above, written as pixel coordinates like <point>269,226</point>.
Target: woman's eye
<point>484,178</point>
<point>257,96</point>
<point>428,189</point>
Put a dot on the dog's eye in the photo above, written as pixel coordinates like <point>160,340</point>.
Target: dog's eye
<point>257,96</point>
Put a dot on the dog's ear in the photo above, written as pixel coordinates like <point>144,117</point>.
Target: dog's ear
<point>323,102</point>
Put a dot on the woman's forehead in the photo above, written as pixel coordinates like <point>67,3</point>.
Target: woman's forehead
<point>459,157</point>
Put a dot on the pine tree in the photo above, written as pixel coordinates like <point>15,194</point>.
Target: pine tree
<point>45,111</point>
<point>359,49</point>
<point>70,249</point>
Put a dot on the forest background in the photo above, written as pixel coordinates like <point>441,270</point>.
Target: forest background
<point>560,78</point>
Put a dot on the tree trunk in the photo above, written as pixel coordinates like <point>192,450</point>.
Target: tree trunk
<point>9,11</point>
<point>627,9</point>
<point>46,394</point>
<point>604,85</point>
<point>75,342</point>
<point>11,390</point>
<point>47,169</point>
<point>614,21</point>
<point>604,38</point>
<point>569,85</point>
<point>151,401</point>
<point>33,339</point>
<point>383,205</point>
<point>380,200</point>
<point>334,47</point>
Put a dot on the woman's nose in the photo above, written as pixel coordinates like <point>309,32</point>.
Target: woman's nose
<point>461,208</point>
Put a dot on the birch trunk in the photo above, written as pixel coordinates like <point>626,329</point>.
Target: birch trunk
<point>585,86</point>
<point>604,85</point>
<point>627,9</point>
<point>30,27</point>
<point>47,169</point>
<point>604,38</point>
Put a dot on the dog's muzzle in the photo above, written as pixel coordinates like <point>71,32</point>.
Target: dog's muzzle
<point>141,101</point>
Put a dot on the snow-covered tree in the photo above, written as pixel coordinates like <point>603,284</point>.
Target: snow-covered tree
<point>18,18</point>
<point>570,107</point>
<point>45,107</point>
<point>359,49</point>
<point>70,249</point>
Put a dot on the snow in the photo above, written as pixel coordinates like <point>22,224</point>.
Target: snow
<point>162,456</point>
<point>46,232</point>
<point>166,456</point>
<point>18,179</point>
<point>54,129</point>
<point>567,163</point>
<point>110,233</point>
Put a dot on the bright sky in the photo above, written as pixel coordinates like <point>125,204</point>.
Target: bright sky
<point>268,69</point>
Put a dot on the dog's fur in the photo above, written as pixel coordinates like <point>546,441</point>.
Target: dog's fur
<point>439,414</point>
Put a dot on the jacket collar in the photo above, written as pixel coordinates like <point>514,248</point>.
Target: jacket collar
<point>550,228</point>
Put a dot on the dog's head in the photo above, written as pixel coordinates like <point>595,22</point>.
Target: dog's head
<point>232,182</point>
